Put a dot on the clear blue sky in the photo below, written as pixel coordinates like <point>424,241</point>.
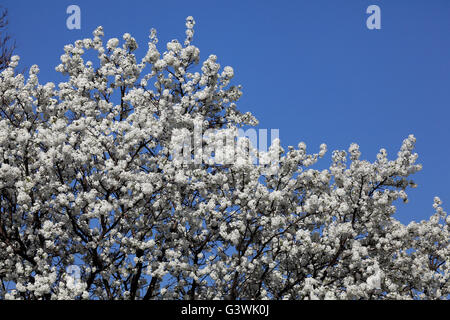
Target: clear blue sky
<point>310,68</point>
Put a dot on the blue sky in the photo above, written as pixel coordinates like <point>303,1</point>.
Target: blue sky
<point>310,68</point>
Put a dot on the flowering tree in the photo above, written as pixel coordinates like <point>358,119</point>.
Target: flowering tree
<point>90,182</point>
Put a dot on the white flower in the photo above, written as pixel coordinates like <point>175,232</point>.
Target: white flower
<point>374,281</point>
<point>228,72</point>
<point>112,43</point>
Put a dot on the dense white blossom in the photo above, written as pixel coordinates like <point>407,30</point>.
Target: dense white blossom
<point>88,178</point>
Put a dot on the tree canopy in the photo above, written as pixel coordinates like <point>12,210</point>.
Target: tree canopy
<point>90,181</point>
